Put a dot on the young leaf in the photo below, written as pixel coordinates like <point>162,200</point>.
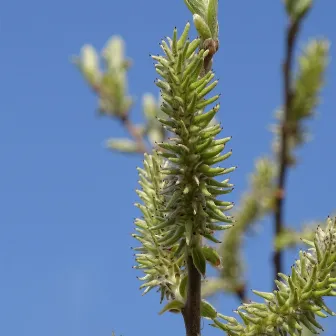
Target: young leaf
<point>199,259</point>
<point>174,306</point>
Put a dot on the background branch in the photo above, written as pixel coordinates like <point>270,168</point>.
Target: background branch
<point>292,31</point>
<point>127,124</point>
<point>134,133</point>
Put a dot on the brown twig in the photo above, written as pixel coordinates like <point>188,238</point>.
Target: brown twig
<point>212,46</point>
<point>192,310</point>
<point>292,31</point>
<point>134,132</point>
<point>241,293</point>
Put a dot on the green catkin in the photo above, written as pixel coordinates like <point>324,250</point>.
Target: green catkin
<point>178,209</point>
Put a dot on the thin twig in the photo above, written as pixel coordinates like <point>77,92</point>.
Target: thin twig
<point>241,293</point>
<point>134,132</point>
<point>292,31</point>
<point>128,125</point>
<point>192,310</point>
<point>212,46</point>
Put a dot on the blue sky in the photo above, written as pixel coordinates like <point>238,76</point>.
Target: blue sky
<point>67,203</point>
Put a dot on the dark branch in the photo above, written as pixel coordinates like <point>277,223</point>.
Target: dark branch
<point>283,159</point>
<point>134,132</point>
<point>241,293</point>
<point>192,310</point>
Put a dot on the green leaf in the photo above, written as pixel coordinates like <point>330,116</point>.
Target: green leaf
<point>297,8</point>
<point>309,80</point>
<point>174,306</point>
<point>202,27</point>
<point>122,145</point>
<point>155,134</point>
<point>114,53</point>
<point>212,17</point>
<point>211,255</point>
<point>265,295</point>
<point>150,106</point>
<point>196,7</point>
<point>88,63</point>
<point>183,286</point>
<point>207,310</point>
<point>181,42</point>
<point>215,285</point>
<point>199,259</point>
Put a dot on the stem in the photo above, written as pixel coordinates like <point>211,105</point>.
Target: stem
<point>192,310</point>
<point>133,131</point>
<point>292,31</point>
<point>241,293</point>
<point>212,46</point>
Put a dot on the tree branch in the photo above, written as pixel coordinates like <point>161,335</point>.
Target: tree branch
<point>292,31</point>
<point>192,310</point>
<point>134,132</point>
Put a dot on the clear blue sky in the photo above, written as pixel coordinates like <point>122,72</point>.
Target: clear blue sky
<point>67,203</point>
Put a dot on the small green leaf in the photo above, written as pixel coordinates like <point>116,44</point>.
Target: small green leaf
<point>207,310</point>
<point>196,7</point>
<point>182,40</point>
<point>297,8</point>
<point>202,27</point>
<point>122,145</point>
<point>211,255</point>
<point>88,63</point>
<point>114,53</point>
<point>155,134</point>
<point>150,106</point>
<point>205,118</point>
<point>174,306</point>
<point>222,326</point>
<point>183,286</point>
<point>199,259</point>
<point>212,17</point>
<point>267,296</point>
